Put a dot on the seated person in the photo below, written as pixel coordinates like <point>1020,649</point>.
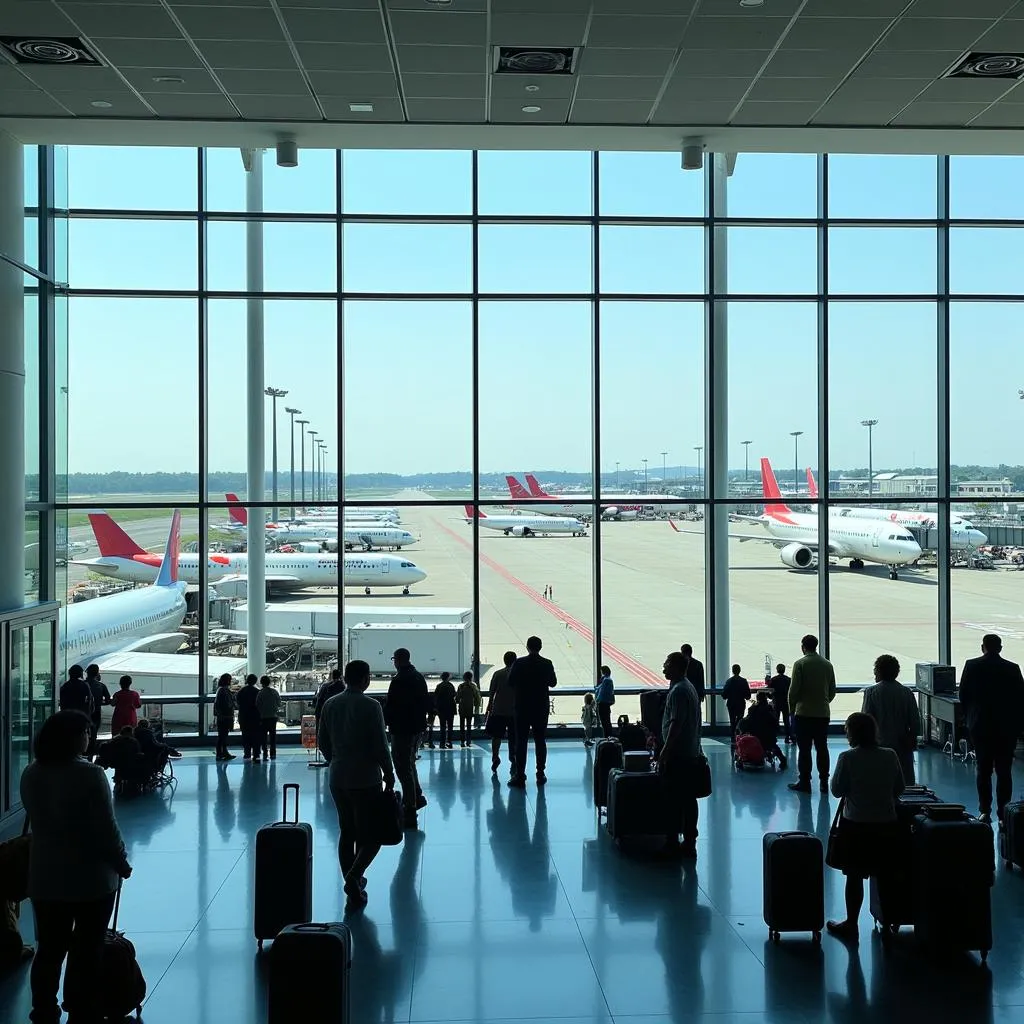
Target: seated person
<point>153,751</point>
<point>124,755</point>
<point>762,721</point>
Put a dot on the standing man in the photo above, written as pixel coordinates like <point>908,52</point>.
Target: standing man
<point>405,712</point>
<point>531,678</point>
<point>75,694</point>
<point>604,694</point>
<point>735,693</point>
<point>992,696</point>
<point>695,672</point>
<point>680,730</point>
<point>779,685</point>
<point>895,711</point>
<point>100,699</point>
<point>501,711</point>
<point>811,691</point>
<point>249,719</point>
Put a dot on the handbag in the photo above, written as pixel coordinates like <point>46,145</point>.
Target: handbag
<point>387,818</point>
<point>835,850</point>
<point>701,776</point>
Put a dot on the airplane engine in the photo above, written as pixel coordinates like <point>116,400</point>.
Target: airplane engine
<point>797,556</point>
<point>612,512</point>
<point>627,515</point>
<point>521,531</point>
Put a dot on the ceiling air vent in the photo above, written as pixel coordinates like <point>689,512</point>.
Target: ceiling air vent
<point>988,65</point>
<point>58,50</point>
<point>535,60</point>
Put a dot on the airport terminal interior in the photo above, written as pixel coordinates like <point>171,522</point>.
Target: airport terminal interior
<point>329,327</point>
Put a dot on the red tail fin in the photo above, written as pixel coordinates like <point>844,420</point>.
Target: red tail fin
<point>772,495</point>
<point>236,513</point>
<point>516,489</point>
<point>812,487</point>
<point>113,541</point>
<point>536,491</point>
<point>472,513</point>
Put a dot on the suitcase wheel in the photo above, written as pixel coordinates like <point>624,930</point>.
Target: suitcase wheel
<point>259,945</point>
<point>775,937</point>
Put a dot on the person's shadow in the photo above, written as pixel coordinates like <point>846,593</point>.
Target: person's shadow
<point>224,803</point>
<point>587,783</point>
<point>444,791</point>
<point>533,886</point>
<point>471,779</point>
<point>683,927</point>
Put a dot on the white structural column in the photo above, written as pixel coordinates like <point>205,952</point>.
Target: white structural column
<point>256,630</point>
<point>12,376</point>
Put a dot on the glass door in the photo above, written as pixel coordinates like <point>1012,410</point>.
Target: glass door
<point>19,733</point>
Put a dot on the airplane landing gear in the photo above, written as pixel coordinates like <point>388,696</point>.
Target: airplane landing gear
<point>856,563</point>
<point>893,574</point>
<point>367,591</point>
<point>405,591</point>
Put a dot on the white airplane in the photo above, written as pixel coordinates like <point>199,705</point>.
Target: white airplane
<point>613,506</point>
<point>528,526</point>
<point>796,535</point>
<point>555,505</point>
<point>331,515</point>
<point>140,620</point>
<point>299,528</point>
<point>369,537</point>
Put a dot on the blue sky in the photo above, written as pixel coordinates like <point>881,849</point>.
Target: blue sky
<point>408,402</point>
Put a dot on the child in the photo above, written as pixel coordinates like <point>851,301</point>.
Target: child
<point>590,719</point>
<point>125,703</point>
<point>467,697</point>
<point>444,700</point>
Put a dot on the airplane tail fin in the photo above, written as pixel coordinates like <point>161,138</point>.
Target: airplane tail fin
<point>516,489</point>
<point>168,574</point>
<point>473,513</point>
<point>112,540</point>
<point>536,491</point>
<point>236,513</point>
<point>773,504</point>
<point>812,487</point>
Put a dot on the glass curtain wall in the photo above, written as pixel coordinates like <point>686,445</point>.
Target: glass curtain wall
<point>610,403</point>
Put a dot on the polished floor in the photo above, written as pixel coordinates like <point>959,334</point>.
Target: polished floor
<point>511,905</point>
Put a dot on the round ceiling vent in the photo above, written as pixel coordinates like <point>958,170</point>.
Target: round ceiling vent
<point>996,65</point>
<point>56,50</point>
<point>535,60</point>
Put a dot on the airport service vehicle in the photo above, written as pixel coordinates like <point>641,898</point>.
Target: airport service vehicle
<point>436,646</point>
<point>136,620</point>
<point>527,525</point>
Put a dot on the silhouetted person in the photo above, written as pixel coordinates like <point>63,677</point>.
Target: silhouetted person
<point>249,718</point>
<point>532,678</point>
<point>680,732</point>
<point>331,688</point>
<point>779,685</point>
<point>126,703</point>
<point>75,694</point>
<point>695,672</point>
<point>406,713</point>
<point>895,711</point>
<point>467,697</point>
<point>501,710</point>
<point>763,722</point>
<point>444,703</point>
<point>268,704</point>
<point>735,693</point>
<point>100,699</point>
<point>811,691</point>
<point>224,714</point>
<point>604,695</point>
<point>992,696</point>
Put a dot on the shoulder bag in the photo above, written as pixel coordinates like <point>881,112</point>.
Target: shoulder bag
<point>835,852</point>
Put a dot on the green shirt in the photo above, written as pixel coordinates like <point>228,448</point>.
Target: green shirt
<point>813,687</point>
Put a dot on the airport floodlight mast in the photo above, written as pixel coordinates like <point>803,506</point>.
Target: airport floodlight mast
<point>870,424</point>
<point>617,470</point>
<point>644,461</point>
<point>292,414</point>
<point>746,459</point>
<point>274,394</point>
<point>664,471</point>
<point>698,448</point>
<point>795,434</point>
<point>302,455</point>
<point>312,465</point>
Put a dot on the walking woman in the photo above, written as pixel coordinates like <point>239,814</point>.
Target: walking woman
<point>77,856</point>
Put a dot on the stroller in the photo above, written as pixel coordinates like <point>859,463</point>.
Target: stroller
<point>749,754</point>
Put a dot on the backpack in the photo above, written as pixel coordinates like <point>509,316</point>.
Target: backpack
<point>120,982</point>
<point>749,749</point>
<point>632,735</point>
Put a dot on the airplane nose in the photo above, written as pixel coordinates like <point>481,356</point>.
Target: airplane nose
<point>420,575</point>
<point>976,537</point>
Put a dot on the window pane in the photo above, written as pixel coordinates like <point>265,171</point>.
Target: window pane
<point>132,178</point>
<point>985,261</point>
<point>651,261</point>
<point>32,434</point>
<point>31,158</point>
<point>882,187</point>
<point>535,258</point>
<point>774,185</point>
<point>428,348</point>
<point>32,566</point>
<point>133,254</point>
<point>408,258</point>
<point>978,598</point>
<point>764,261</point>
<point>296,257</point>
<point>986,187</point>
<point>649,185</point>
<point>882,261</point>
<point>30,254</point>
<point>535,184</point>
<point>308,188</point>
<point>404,181</point>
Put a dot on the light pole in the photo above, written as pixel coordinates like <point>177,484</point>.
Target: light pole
<point>274,394</point>
<point>664,471</point>
<point>312,465</point>
<point>292,414</point>
<point>870,424</point>
<point>320,469</point>
<point>795,434</point>
<point>746,459</point>
<point>325,490</point>
<point>616,477</point>
<point>302,455</point>
<point>644,461</point>
<point>698,448</point>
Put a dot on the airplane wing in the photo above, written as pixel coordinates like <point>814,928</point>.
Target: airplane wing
<point>159,643</point>
<point>776,542</point>
<point>277,637</point>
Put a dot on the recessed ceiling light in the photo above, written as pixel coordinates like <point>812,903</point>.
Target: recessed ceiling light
<point>361,108</point>
<point>533,88</point>
<point>531,109</point>
<point>751,3</point>
<point>169,79</point>
<point>101,104</point>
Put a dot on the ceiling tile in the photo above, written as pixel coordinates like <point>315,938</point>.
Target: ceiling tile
<point>951,114</point>
<point>828,33</point>
<point>890,90</point>
<point>696,89</point>
<point>335,26</point>
<point>264,83</point>
<point>907,64</point>
<point>966,90</point>
<point>439,60</point>
<point>511,112</point>
<point>439,28</point>
<point>30,104</point>
<point>958,9</point>
<point>1002,115</point>
<point>721,63</point>
<point>138,3</point>
<point>538,29</point>
<point>123,103</point>
<point>686,112</point>
<point>676,7</point>
<point>276,107</point>
<point>463,6</point>
<point>451,86</point>
<point>383,110</point>
<point>445,110</point>
<point>935,33</point>
<point>148,53</point>
<point>30,19</point>
<point>732,8</point>
<point>633,31</point>
<point>1007,35</point>
<point>844,9</point>
<point>811,63</point>
<point>789,90</point>
<point>124,21</point>
<point>351,85</point>
<point>344,57</point>
<point>548,87</point>
<point>615,87</point>
<point>610,112</point>
<point>856,112</point>
<point>193,105</point>
<point>70,77</point>
<point>618,61</point>
<point>342,5</point>
<point>12,80</point>
<point>235,23</point>
<point>735,33</point>
<point>756,113</point>
<point>196,80</point>
<point>247,56</point>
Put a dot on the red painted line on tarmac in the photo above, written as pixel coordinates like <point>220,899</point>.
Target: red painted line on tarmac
<point>607,649</point>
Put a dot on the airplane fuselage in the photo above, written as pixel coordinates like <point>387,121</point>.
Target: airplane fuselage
<point>885,544</point>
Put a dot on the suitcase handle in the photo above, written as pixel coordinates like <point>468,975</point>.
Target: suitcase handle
<point>311,926</point>
<point>284,808</point>
<point>117,905</point>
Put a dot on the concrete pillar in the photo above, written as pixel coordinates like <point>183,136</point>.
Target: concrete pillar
<point>12,376</point>
<point>256,632</point>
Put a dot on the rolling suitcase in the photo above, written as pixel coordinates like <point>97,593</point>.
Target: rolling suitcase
<point>953,918</point>
<point>1011,836</point>
<point>321,953</point>
<point>283,887</point>
<point>607,755</point>
<point>652,712</point>
<point>636,760</point>
<point>637,805</point>
<point>794,883</point>
<point>632,735</point>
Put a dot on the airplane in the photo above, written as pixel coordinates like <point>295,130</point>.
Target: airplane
<point>528,526</point>
<point>121,558</point>
<point>796,535</point>
<point>962,534</point>
<point>560,505</point>
<point>368,537</point>
<point>139,620</point>
<point>239,520</point>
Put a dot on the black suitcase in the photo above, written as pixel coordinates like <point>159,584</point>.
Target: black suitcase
<point>636,760</point>
<point>1011,836</point>
<point>652,712</point>
<point>283,888</point>
<point>953,917</point>
<point>632,735</point>
<point>320,954</point>
<point>607,755</point>
<point>637,805</point>
<point>794,883</point>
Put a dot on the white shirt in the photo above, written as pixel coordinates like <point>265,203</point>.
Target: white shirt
<point>870,778</point>
<point>352,738</point>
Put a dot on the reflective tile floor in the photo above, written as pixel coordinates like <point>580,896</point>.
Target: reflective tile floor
<point>513,906</point>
